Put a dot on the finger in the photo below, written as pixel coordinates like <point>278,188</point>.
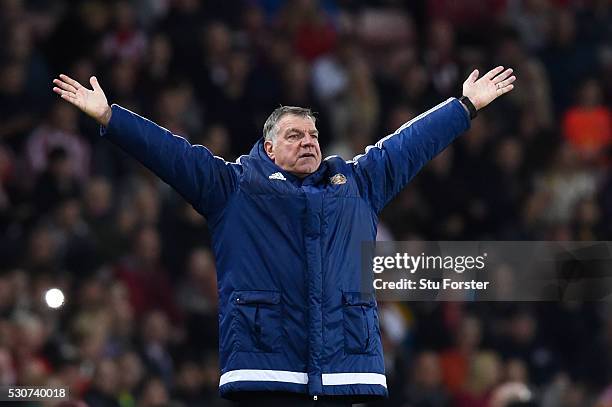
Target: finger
<point>63,93</point>
<point>507,82</point>
<point>71,99</point>
<point>503,75</point>
<point>473,76</point>
<point>64,85</point>
<point>71,81</point>
<point>493,72</point>
<point>94,83</point>
<point>507,89</point>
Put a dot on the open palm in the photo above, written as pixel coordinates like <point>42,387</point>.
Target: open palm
<point>493,84</point>
<point>91,102</point>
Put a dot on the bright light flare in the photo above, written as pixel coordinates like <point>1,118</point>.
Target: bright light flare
<point>54,298</point>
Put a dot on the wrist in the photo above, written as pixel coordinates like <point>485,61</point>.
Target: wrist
<point>106,116</point>
<point>469,106</point>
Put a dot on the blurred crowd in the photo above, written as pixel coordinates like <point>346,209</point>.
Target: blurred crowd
<point>139,327</point>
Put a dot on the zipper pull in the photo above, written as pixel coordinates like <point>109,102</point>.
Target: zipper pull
<point>315,398</point>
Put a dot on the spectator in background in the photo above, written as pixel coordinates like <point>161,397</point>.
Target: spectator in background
<point>416,87</point>
<point>516,371</point>
<point>190,385</point>
<point>184,230</point>
<point>507,192</point>
<point>509,394</point>
<point>440,57</point>
<point>16,114</point>
<point>147,202</point>
<point>587,126</point>
<point>474,162</point>
<point>41,252</point>
<point>75,244</point>
<point>532,20</point>
<point>80,30</point>
<point>309,27</point>
<point>426,388</point>
<point>587,225</point>
<point>565,59</point>
<point>144,276</point>
<point>536,93</point>
<point>124,79</point>
<point>209,72</point>
<point>217,139</point>
<point>357,104</point>
<point>31,335</point>
<point>154,393</point>
<point>8,375</point>
<point>483,375</point>
<point>330,74</point>
<point>59,130</point>
<point>104,389</point>
<point>558,191</point>
<point>56,183</point>
<point>523,341</point>
<point>21,49</point>
<point>198,299</point>
<point>176,109</point>
<point>445,196</point>
<point>126,40</point>
<point>99,214</point>
<point>13,215</point>
<point>156,334</point>
<point>455,362</point>
<point>131,375</point>
<point>157,67</point>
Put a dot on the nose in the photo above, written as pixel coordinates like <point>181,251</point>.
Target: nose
<point>308,140</point>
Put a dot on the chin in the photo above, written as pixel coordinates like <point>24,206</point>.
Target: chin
<point>309,169</point>
<point>304,171</point>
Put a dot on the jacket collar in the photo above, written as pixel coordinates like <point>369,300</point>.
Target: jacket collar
<point>259,154</point>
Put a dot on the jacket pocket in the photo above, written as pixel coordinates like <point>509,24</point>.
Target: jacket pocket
<point>257,321</point>
<point>360,322</point>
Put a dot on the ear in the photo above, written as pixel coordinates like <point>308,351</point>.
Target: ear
<point>269,148</point>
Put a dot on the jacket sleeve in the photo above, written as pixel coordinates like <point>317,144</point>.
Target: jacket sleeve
<point>204,180</point>
<point>385,168</point>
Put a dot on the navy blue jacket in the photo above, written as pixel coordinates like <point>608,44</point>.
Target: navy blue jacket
<point>292,316</point>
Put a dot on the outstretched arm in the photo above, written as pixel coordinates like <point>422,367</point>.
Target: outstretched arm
<point>390,164</point>
<point>202,179</point>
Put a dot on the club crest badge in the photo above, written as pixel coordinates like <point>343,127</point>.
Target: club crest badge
<point>338,179</point>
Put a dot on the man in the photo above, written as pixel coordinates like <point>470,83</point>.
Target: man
<point>294,326</point>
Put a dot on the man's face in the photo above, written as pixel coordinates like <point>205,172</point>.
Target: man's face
<point>296,148</point>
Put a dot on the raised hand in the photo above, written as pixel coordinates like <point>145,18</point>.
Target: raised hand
<point>91,102</point>
<point>492,85</point>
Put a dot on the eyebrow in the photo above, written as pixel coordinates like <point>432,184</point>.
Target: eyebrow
<point>293,129</point>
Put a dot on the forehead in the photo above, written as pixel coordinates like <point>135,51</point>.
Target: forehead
<point>291,121</point>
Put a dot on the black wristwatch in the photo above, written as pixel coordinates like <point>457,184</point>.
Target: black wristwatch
<point>469,105</point>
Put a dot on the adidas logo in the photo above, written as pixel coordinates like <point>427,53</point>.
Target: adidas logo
<point>278,175</point>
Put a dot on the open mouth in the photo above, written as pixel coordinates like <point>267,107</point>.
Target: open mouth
<point>307,155</point>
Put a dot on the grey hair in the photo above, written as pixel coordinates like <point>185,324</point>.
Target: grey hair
<point>270,130</point>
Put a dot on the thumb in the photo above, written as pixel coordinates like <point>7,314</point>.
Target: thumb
<point>94,83</point>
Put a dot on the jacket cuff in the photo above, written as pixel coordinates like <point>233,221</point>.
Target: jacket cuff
<point>115,111</point>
